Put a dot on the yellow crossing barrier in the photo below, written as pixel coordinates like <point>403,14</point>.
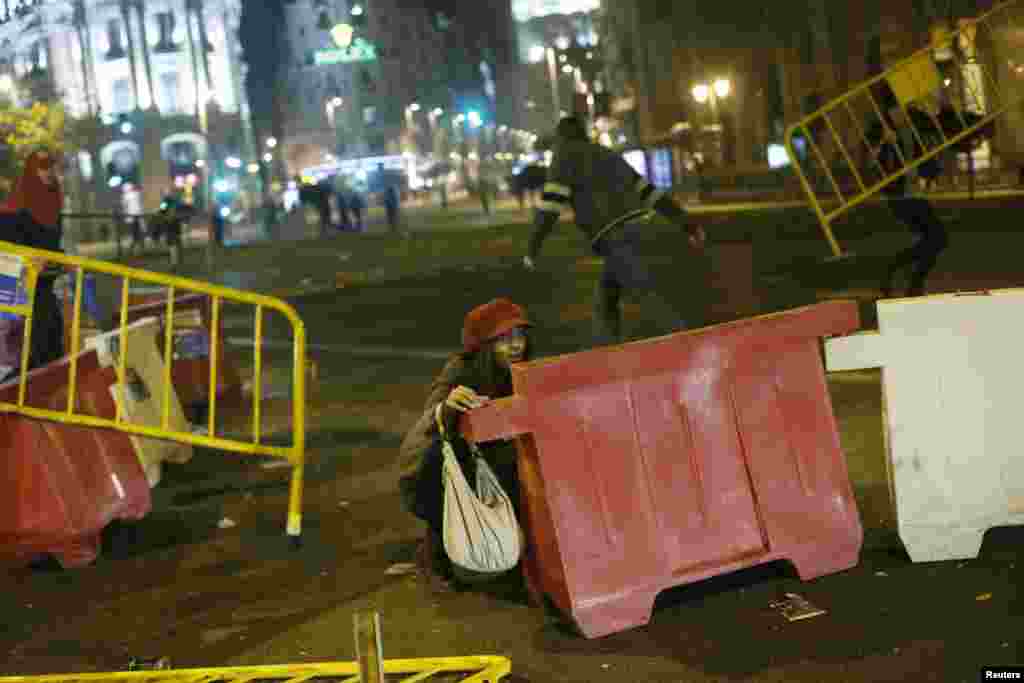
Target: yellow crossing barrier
<point>483,669</point>
<point>295,454</point>
<point>832,149</point>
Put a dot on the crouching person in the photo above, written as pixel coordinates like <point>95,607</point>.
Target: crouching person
<point>494,336</point>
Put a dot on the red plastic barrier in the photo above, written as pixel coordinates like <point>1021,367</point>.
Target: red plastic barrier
<point>190,370</point>
<point>670,460</point>
<point>60,485</point>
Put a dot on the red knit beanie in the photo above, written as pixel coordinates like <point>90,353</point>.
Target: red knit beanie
<point>489,321</point>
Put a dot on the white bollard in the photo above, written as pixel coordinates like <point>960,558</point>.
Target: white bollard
<point>953,383</point>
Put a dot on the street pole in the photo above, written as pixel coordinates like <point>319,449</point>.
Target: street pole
<point>204,130</point>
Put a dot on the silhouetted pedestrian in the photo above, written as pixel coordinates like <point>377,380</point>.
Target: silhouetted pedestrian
<point>358,205</point>
<point>391,204</point>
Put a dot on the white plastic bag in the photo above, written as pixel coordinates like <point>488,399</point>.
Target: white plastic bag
<point>481,533</point>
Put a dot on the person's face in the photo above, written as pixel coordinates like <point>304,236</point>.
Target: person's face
<point>45,170</point>
<point>510,347</point>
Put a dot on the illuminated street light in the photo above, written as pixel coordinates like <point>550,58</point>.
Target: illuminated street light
<point>233,162</point>
<point>723,87</point>
<point>536,54</point>
<point>438,111</point>
<point>562,43</point>
<point>268,157</point>
<point>701,92</point>
<point>200,163</point>
<point>336,102</point>
<point>567,68</point>
<point>126,127</point>
<point>460,118</point>
<point>271,143</point>
<point>342,35</point>
<point>357,10</point>
<point>254,168</point>
<point>414,107</point>
<point>475,120</point>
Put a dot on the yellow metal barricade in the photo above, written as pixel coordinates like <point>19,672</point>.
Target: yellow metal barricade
<point>295,454</point>
<point>942,106</point>
<point>477,669</point>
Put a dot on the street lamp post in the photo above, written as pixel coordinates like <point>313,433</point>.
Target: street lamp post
<point>711,93</point>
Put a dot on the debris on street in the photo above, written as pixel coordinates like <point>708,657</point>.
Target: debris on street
<point>401,569</point>
<point>149,664</point>
<point>276,464</point>
<point>983,597</point>
<point>226,523</point>
<point>796,607</point>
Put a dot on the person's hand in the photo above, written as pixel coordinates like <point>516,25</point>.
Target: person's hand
<point>464,399</point>
<point>698,238</point>
<point>528,263</point>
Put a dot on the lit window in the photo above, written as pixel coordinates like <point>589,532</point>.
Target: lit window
<point>122,95</point>
<point>170,99</point>
<point>116,49</point>
<point>165,25</point>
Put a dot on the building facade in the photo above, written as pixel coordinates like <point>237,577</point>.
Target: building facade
<point>559,48</point>
<point>721,85</point>
<point>358,72</point>
<point>153,89</point>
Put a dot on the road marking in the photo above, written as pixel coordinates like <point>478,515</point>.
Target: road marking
<point>349,349</point>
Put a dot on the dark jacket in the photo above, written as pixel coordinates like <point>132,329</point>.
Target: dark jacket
<point>424,432</point>
<point>19,227</point>
<point>604,191</point>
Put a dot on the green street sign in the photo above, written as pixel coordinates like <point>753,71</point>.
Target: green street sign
<point>359,51</point>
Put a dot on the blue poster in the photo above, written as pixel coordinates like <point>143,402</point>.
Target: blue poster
<point>11,291</point>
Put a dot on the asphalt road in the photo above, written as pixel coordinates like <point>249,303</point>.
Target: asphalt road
<point>176,584</point>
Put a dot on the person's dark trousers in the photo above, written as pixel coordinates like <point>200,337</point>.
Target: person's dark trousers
<point>931,239</point>
<point>429,497</point>
<point>47,343</point>
<point>392,217</point>
<point>625,270</point>
<point>325,222</point>
<point>138,237</point>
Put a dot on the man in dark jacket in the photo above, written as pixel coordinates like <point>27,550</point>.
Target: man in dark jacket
<point>611,201</point>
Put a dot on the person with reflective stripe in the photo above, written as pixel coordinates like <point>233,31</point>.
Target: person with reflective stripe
<point>611,202</point>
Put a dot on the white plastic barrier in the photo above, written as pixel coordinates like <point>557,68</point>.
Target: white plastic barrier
<point>953,401</point>
<point>144,389</point>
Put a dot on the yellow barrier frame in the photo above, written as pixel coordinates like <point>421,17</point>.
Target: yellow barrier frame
<point>294,454</point>
<point>908,67</point>
<point>485,669</point>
